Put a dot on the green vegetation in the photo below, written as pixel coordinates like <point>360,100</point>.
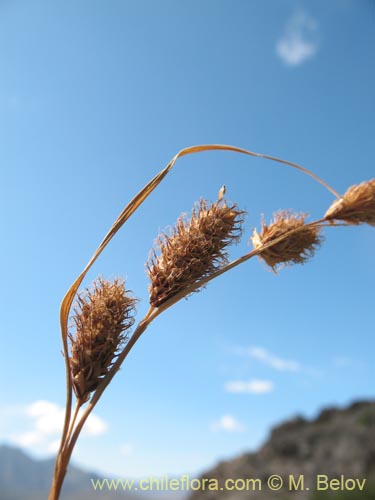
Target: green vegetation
<point>367,494</point>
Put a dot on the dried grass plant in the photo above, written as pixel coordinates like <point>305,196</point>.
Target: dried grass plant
<point>184,260</point>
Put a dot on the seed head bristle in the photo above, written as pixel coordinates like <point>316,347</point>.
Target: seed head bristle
<point>193,249</point>
<point>357,206</point>
<point>102,318</point>
<point>295,248</point>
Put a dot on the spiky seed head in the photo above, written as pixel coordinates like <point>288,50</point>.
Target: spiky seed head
<point>101,319</point>
<point>295,248</point>
<point>357,206</point>
<point>193,249</point>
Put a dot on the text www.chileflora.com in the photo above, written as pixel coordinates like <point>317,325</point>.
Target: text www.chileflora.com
<point>274,482</point>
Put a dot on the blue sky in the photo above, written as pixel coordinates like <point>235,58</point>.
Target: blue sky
<point>96,97</point>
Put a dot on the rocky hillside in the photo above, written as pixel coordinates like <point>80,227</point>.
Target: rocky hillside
<point>336,443</point>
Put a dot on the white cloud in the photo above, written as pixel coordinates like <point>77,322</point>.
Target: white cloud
<point>227,423</point>
<point>53,446</point>
<point>269,359</point>
<point>47,417</point>
<point>299,41</point>
<point>27,439</point>
<point>252,386</point>
<point>41,407</point>
<point>94,426</point>
<point>126,450</point>
<point>45,421</point>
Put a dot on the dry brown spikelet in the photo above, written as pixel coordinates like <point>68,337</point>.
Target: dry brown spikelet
<point>357,206</point>
<point>101,319</point>
<point>193,249</point>
<point>296,248</point>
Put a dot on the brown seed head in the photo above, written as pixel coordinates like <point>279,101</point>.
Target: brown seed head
<point>357,206</point>
<point>101,318</point>
<point>296,248</point>
<point>193,249</point>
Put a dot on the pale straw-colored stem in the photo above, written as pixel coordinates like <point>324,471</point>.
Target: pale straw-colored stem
<point>62,460</point>
<point>123,217</point>
<point>223,147</point>
<point>142,326</point>
<point>73,422</point>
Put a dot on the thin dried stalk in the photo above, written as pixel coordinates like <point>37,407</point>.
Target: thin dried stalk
<point>123,217</point>
<point>60,466</point>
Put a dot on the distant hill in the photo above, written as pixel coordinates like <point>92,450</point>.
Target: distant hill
<point>336,442</point>
<point>24,478</point>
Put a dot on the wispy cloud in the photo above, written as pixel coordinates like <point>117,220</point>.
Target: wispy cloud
<point>126,450</point>
<point>269,359</point>
<point>347,362</point>
<point>44,421</point>
<point>299,40</point>
<point>253,386</point>
<point>227,423</point>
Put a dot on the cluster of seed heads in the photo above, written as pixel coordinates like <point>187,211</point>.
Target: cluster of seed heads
<point>191,251</point>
